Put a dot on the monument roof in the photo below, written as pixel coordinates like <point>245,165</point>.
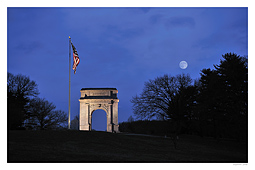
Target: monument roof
<point>99,97</point>
<point>98,89</point>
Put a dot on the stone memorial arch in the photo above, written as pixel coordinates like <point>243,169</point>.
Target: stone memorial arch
<point>99,98</point>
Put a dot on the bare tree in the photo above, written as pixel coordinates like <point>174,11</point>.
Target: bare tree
<point>159,97</point>
<point>75,123</point>
<point>43,115</point>
<point>21,85</point>
<point>131,119</point>
<point>167,98</point>
<point>20,89</point>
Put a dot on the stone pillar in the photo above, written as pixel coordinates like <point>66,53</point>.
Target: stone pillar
<point>109,118</point>
<point>84,111</point>
<point>115,116</point>
<point>90,117</point>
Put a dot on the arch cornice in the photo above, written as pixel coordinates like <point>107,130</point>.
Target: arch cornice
<point>98,100</point>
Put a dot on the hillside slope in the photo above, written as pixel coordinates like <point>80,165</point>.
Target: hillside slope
<point>80,146</point>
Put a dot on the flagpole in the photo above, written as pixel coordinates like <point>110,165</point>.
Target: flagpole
<point>69,82</point>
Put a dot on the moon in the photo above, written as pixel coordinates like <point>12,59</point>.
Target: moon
<point>183,64</point>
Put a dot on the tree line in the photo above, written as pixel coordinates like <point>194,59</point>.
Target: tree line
<point>25,110</point>
<point>215,105</point>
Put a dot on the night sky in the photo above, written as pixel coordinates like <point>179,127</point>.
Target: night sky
<point>118,47</point>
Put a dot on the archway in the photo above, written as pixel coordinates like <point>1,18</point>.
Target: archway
<point>99,120</point>
<point>99,98</point>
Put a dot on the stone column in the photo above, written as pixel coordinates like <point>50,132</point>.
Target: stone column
<point>90,117</point>
<point>115,116</point>
<point>84,123</point>
<point>109,118</point>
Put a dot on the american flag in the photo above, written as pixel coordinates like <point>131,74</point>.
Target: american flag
<point>76,59</point>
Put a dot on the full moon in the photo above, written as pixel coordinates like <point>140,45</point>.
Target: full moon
<point>183,64</point>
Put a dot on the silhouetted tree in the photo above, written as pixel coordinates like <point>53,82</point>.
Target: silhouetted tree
<point>19,91</point>
<point>164,98</point>
<point>43,115</point>
<point>131,119</point>
<point>169,98</point>
<point>210,101</point>
<point>233,73</point>
<point>75,123</point>
<point>157,98</point>
<point>223,98</point>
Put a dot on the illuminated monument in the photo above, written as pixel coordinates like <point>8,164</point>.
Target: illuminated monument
<point>99,98</point>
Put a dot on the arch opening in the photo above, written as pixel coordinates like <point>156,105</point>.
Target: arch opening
<point>99,120</point>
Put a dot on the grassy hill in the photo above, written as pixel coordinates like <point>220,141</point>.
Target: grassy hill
<point>82,146</point>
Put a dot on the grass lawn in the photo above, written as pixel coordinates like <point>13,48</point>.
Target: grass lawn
<point>82,146</point>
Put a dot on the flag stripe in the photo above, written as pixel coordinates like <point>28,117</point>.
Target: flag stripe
<point>76,59</point>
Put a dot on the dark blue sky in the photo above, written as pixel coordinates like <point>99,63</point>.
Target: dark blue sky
<point>118,47</point>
